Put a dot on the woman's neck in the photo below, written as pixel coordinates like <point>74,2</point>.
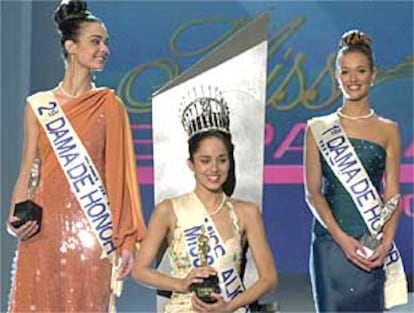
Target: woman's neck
<point>76,80</point>
<point>211,200</point>
<point>356,108</point>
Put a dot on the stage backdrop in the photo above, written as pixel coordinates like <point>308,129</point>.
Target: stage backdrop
<point>216,77</point>
<point>153,42</point>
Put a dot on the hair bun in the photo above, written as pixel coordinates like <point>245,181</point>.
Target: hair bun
<point>355,37</point>
<point>69,9</point>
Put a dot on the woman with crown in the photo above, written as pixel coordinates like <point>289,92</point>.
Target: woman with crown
<point>208,211</point>
<point>347,153</point>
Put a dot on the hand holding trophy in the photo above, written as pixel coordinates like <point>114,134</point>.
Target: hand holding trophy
<point>372,241</point>
<point>210,284</point>
<point>28,210</point>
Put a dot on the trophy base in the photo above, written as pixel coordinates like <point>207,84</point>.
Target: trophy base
<point>204,290</point>
<point>370,244</point>
<point>27,211</point>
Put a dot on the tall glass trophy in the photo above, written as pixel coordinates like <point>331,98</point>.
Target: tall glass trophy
<point>28,210</point>
<point>210,284</point>
<point>372,241</point>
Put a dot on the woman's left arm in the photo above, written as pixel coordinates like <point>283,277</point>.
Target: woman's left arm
<point>391,188</point>
<point>122,184</point>
<point>262,255</point>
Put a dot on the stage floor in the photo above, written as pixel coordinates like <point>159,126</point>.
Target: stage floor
<point>292,295</point>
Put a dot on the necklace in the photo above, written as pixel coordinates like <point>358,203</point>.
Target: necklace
<point>370,114</point>
<point>219,207</point>
<point>68,95</point>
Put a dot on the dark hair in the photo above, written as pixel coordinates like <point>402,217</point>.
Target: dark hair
<point>69,16</point>
<point>194,144</point>
<point>356,41</point>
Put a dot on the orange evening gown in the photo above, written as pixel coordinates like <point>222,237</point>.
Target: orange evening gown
<point>60,269</point>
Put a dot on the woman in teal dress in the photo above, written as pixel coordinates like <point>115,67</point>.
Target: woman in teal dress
<point>342,278</point>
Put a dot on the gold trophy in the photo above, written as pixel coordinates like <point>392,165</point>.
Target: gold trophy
<point>210,284</point>
<point>28,210</point>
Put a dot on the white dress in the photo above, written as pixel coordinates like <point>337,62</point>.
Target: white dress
<point>180,261</point>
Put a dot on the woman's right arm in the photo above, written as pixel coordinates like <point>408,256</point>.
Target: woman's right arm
<point>161,222</point>
<point>314,198</point>
<point>31,132</point>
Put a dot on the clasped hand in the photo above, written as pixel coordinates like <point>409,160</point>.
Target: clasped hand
<point>352,248</point>
<point>196,275</point>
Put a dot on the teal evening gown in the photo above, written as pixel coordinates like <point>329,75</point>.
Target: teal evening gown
<point>339,285</point>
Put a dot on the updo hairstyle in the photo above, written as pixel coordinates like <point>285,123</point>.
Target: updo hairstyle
<point>69,16</point>
<point>355,41</point>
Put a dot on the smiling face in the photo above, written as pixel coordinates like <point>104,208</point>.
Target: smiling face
<point>90,49</point>
<point>355,75</point>
<point>210,164</point>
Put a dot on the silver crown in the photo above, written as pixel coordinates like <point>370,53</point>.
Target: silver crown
<point>206,110</point>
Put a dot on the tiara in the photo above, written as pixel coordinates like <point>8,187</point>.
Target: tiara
<point>206,110</point>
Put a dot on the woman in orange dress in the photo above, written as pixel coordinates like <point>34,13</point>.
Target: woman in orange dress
<point>60,268</point>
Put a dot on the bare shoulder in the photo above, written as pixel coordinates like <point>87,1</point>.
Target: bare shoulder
<point>164,208</point>
<point>389,127</point>
<point>387,122</point>
<point>30,117</point>
<point>28,108</point>
<point>246,208</point>
<point>249,215</point>
<point>308,131</point>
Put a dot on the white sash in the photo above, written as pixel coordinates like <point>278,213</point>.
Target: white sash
<point>80,172</point>
<point>338,152</point>
<point>192,215</point>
